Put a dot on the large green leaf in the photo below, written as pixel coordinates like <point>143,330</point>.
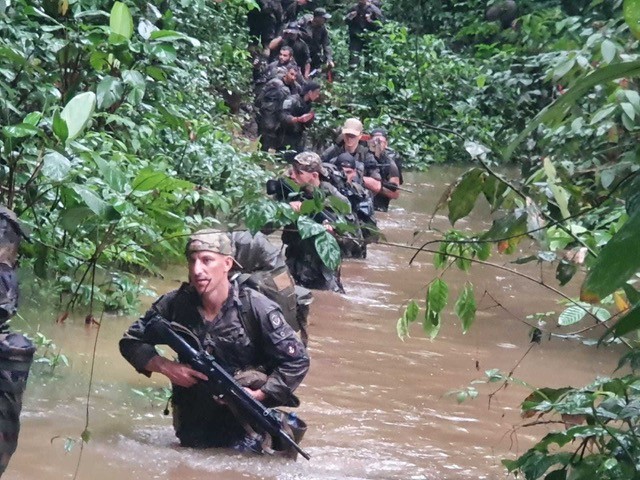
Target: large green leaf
<point>465,307</point>
<point>328,250</point>
<point>308,228</point>
<point>60,128</point>
<point>171,36</point>
<point>121,21</point>
<point>20,130</point>
<point>558,109</point>
<point>571,315</point>
<point>55,166</point>
<point>78,112</point>
<point>95,203</point>
<point>632,16</point>
<point>629,322</point>
<point>112,175</point>
<point>618,260</point>
<point>464,195</point>
<point>109,91</point>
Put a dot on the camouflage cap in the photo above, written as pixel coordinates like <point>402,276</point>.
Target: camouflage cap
<point>309,162</point>
<point>210,241</point>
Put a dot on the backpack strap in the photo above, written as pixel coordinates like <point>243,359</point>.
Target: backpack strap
<point>248,317</point>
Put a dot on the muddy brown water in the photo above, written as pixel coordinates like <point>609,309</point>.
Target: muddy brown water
<point>377,407</point>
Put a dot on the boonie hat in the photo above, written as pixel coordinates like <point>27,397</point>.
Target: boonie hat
<point>321,12</point>
<point>345,160</point>
<point>352,126</point>
<point>211,241</point>
<point>310,162</point>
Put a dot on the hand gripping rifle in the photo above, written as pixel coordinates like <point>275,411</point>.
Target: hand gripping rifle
<point>221,383</point>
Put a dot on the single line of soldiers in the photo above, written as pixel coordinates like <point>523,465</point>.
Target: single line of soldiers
<point>288,53</point>
<point>360,171</point>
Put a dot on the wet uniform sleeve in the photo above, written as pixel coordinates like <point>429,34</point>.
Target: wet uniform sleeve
<point>285,352</point>
<point>132,346</point>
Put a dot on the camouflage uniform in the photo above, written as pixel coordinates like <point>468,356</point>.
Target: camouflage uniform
<point>356,20</point>
<point>264,22</point>
<point>275,351</point>
<point>366,164</point>
<point>317,38</point>
<point>293,134</point>
<point>16,351</point>
<point>269,104</point>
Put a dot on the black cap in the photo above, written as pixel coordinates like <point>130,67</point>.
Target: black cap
<point>321,12</point>
<point>379,131</point>
<point>345,160</point>
<point>309,87</point>
<point>291,27</point>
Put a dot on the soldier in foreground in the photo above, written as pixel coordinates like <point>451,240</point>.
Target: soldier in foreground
<point>266,357</point>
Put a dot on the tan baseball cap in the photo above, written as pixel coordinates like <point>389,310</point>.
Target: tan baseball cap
<point>352,126</point>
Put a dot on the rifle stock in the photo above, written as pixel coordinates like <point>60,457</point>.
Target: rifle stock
<point>221,383</point>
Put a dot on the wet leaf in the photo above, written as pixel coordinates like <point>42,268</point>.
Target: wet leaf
<point>571,315</point>
<point>618,260</point>
<point>608,50</point>
<point>55,166</point>
<point>328,250</point>
<point>95,203</point>
<point>464,195</point>
<point>109,91</point>
<point>60,128</point>
<point>437,297</point>
<point>465,307</point>
<point>171,36</point>
<point>409,316</point>
<point>20,130</point>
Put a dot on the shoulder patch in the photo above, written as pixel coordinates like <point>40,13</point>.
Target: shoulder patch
<point>276,319</point>
<point>288,103</point>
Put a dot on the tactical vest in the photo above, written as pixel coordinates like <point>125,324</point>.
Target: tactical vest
<point>10,236</point>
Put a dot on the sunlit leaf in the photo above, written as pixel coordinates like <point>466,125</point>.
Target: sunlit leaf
<point>60,128</point>
<point>170,36</point>
<point>109,91</point>
<point>121,21</point>
<point>20,130</point>
<point>78,112</point>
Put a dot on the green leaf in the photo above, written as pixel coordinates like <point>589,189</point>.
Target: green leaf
<point>618,260</point>
<point>308,228</point>
<point>95,203</point>
<point>437,297</point>
<point>628,323</point>
<point>409,316</point>
<point>55,166</point>
<point>135,80</point>
<point>113,176</point>
<point>339,206</point>
<point>571,315</point>
<point>608,50</point>
<point>164,52</point>
<point>149,179</point>
<point>631,11</point>
<point>60,128</point>
<point>170,36</point>
<point>560,107</point>
<point>465,307</point>
<point>565,272</point>
<point>121,21</point>
<point>72,218</point>
<point>464,195</point>
<point>78,112</point>
<point>629,110</point>
<point>33,118</point>
<point>328,250</point>
<point>109,91</point>
<point>20,130</point>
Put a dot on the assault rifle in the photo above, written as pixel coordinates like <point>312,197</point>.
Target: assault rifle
<point>221,383</point>
<point>283,190</point>
<point>393,187</point>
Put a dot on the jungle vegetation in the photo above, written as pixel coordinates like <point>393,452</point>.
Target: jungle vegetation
<point>125,125</point>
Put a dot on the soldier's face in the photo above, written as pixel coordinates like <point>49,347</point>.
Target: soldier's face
<point>207,270</point>
<point>290,77</point>
<point>302,177</point>
<point>351,141</point>
<point>284,56</point>
<point>350,173</point>
<point>313,95</point>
